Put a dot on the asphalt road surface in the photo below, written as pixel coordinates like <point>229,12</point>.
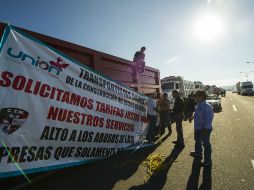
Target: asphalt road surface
<point>232,169</point>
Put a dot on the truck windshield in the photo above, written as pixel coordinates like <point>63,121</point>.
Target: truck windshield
<point>165,86</point>
<point>248,86</point>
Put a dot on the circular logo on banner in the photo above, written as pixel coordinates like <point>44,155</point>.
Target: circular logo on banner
<point>11,119</point>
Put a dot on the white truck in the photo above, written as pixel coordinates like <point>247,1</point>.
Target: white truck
<point>184,87</point>
<point>245,88</point>
<point>198,85</point>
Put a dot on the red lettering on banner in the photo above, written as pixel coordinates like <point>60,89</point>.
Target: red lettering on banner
<point>144,119</point>
<point>52,93</point>
<point>75,99</point>
<point>132,116</point>
<point>44,92</point>
<point>59,93</point>
<point>21,83</point>
<point>37,87</point>
<point>108,109</point>
<point>6,76</point>
<point>28,86</point>
<point>118,125</point>
<point>70,116</point>
<point>52,114</point>
<point>76,119</point>
<point>66,97</point>
<point>62,114</point>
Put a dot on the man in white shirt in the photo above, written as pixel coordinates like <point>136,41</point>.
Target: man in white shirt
<point>151,116</point>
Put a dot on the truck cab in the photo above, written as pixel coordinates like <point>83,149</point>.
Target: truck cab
<point>246,88</point>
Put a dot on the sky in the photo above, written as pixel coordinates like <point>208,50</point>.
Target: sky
<point>202,40</point>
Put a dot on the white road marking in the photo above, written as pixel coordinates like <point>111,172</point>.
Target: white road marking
<point>231,99</point>
<point>234,108</point>
<point>252,161</point>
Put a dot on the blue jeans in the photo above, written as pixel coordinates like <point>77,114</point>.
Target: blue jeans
<point>150,136</point>
<point>203,137</point>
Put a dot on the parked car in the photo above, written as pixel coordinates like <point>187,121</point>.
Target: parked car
<point>215,101</point>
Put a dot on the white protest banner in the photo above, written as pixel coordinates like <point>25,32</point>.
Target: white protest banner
<point>56,112</point>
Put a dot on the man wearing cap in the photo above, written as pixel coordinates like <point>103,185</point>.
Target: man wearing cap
<point>203,118</point>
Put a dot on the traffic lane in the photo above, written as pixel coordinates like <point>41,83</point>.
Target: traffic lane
<point>245,100</point>
<point>233,146</point>
<point>244,105</point>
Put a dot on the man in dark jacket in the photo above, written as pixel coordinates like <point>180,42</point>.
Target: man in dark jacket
<point>179,116</point>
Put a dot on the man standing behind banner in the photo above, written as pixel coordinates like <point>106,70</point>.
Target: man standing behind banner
<point>203,119</point>
<point>165,120</point>
<point>178,116</point>
<point>151,116</point>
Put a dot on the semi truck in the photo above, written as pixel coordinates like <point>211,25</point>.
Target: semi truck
<point>245,88</point>
<point>168,84</point>
<point>116,68</point>
<point>198,85</point>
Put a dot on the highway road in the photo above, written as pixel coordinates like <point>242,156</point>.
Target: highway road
<point>233,160</point>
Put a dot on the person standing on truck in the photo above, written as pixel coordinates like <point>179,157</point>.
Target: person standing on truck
<point>151,116</point>
<point>203,119</point>
<point>164,109</point>
<point>139,59</point>
<point>178,112</point>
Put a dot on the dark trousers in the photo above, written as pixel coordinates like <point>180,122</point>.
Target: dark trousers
<point>165,121</point>
<point>150,136</point>
<point>203,137</point>
<point>179,127</point>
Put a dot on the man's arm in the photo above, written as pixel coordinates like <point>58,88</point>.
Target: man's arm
<point>208,117</point>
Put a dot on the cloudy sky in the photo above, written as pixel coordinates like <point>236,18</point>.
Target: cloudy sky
<point>205,40</point>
